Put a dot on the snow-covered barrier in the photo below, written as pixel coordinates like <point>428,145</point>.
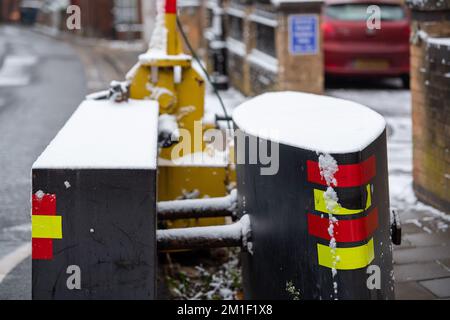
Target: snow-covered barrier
<point>94,205</point>
<point>321,223</point>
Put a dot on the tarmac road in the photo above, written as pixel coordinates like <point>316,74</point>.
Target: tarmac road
<point>42,81</point>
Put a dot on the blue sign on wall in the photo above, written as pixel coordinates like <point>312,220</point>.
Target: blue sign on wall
<point>303,34</point>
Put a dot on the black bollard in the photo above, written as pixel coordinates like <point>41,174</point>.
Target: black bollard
<point>94,205</point>
<point>305,245</point>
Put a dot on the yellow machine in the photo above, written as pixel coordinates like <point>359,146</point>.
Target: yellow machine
<point>166,74</point>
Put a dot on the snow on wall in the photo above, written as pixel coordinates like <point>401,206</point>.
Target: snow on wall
<point>263,60</point>
<point>312,122</point>
<point>236,47</point>
<point>440,41</point>
<point>188,3</point>
<point>106,135</point>
<point>236,12</point>
<point>263,20</point>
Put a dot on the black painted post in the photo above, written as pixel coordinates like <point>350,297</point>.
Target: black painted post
<point>94,205</point>
<point>293,253</point>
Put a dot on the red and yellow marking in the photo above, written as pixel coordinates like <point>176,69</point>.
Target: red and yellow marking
<point>352,230</point>
<point>173,42</point>
<point>171,6</point>
<point>346,258</point>
<point>321,205</point>
<point>348,175</point>
<point>46,226</point>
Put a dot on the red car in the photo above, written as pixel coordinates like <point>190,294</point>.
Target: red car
<point>354,48</point>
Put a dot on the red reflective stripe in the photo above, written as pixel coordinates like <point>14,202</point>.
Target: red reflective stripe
<point>42,249</point>
<point>171,6</point>
<point>348,175</point>
<point>45,206</point>
<point>344,230</point>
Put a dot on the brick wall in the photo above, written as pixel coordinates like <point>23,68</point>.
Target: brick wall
<point>238,49</point>
<point>97,18</point>
<point>253,70</point>
<point>9,10</point>
<point>191,18</point>
<point>430,87</point>
<point>300,73</point>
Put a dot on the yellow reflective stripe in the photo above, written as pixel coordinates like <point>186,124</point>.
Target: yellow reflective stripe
<point>346,258</point>
<point>320,204</point>
<point>46,227</point>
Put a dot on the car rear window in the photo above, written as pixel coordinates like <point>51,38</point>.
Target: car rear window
<point>358,12</point>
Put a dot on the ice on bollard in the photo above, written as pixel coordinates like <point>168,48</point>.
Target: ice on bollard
<point>94,221</point>
<point>321,221</point>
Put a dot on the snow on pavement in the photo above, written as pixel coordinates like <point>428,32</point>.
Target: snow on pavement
<point>388,102</point>
<point>395,105</point>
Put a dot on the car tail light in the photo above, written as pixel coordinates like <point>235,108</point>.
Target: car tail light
<point>328,30</point>
<point>407,31</point>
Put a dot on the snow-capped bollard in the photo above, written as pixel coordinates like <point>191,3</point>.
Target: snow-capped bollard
<point>321,222</point>
<point>94,205</point>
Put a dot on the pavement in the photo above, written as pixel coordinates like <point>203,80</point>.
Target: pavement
<point>52,75</point>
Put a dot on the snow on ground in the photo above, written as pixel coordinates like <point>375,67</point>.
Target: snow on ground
<point>388,102</point>
<point>15,70</point>
<point>395,105</point>
<point>207,282</point>
<point>231,99</point>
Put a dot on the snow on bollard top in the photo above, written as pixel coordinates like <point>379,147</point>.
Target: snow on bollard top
<point>309,121</point>
<point>104,134</point>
